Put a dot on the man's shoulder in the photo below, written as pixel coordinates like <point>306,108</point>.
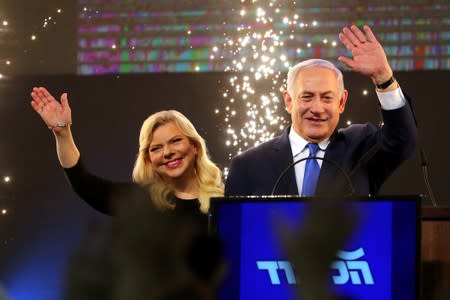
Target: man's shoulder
<point>263,149</point>
<point>357,130</point>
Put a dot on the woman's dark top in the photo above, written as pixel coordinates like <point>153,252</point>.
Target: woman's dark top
<point>138,217</point>
<point>105,195</point>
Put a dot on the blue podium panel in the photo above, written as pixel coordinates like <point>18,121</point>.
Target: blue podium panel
<point>380,260</point>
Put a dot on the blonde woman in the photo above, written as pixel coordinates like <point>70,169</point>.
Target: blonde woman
<point>172,166</point>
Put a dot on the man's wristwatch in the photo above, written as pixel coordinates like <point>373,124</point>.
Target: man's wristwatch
<point>385,84</point>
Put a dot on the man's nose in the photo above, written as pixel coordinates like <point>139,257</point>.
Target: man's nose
<point>316,105</point>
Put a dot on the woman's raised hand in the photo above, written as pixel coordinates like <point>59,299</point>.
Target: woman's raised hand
<point>55,114</point>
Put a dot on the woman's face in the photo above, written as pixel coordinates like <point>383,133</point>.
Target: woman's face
<point>172,154</point>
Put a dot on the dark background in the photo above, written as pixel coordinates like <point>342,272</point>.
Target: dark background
<point>46,221</point>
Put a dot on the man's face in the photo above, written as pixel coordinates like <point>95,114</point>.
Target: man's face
<point>316,103</point>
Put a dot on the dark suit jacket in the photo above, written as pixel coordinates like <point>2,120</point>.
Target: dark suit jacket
<point>365,153</point>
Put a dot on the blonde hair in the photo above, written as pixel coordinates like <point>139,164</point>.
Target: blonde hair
<point>208,175</point>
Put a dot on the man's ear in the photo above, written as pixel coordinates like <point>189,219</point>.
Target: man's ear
<point>343,101</point>
<point>287,101</point>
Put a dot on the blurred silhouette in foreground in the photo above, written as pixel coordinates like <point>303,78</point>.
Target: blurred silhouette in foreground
<point>146,254</point>
<point>312,249</point>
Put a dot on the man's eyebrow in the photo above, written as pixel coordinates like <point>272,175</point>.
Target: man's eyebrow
<point>323,93</point>
<point>327,92</point>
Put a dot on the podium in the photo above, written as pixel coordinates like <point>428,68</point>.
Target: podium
<point>277,246</point>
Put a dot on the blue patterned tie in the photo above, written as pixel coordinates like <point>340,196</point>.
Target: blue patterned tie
<point>312,170</point>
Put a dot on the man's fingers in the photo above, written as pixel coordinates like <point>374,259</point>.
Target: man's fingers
<point>359,34</point>
<point>351,36</point>
<point>347,43</point>
<point>347,61</point>
<point>370,35</point>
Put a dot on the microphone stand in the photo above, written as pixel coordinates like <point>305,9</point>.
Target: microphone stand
<point>426,178</point>
<point>423,160</point>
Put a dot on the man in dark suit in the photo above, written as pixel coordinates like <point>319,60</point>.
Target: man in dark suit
<point>356,159</point>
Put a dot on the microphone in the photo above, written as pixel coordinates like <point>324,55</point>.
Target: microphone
<point>347,177</point>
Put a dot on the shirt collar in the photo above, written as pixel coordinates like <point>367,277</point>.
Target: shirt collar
<point>298,143</point>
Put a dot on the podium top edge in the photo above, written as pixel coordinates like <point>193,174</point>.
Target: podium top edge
<point>418,199</point>
<point>300,198</point>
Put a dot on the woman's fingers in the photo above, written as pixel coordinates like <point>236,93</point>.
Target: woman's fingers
<point>46,97</point>
<point>36,106</point>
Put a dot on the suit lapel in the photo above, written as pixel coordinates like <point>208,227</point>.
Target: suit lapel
<point>331,175</point>
<point>282,160</point>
